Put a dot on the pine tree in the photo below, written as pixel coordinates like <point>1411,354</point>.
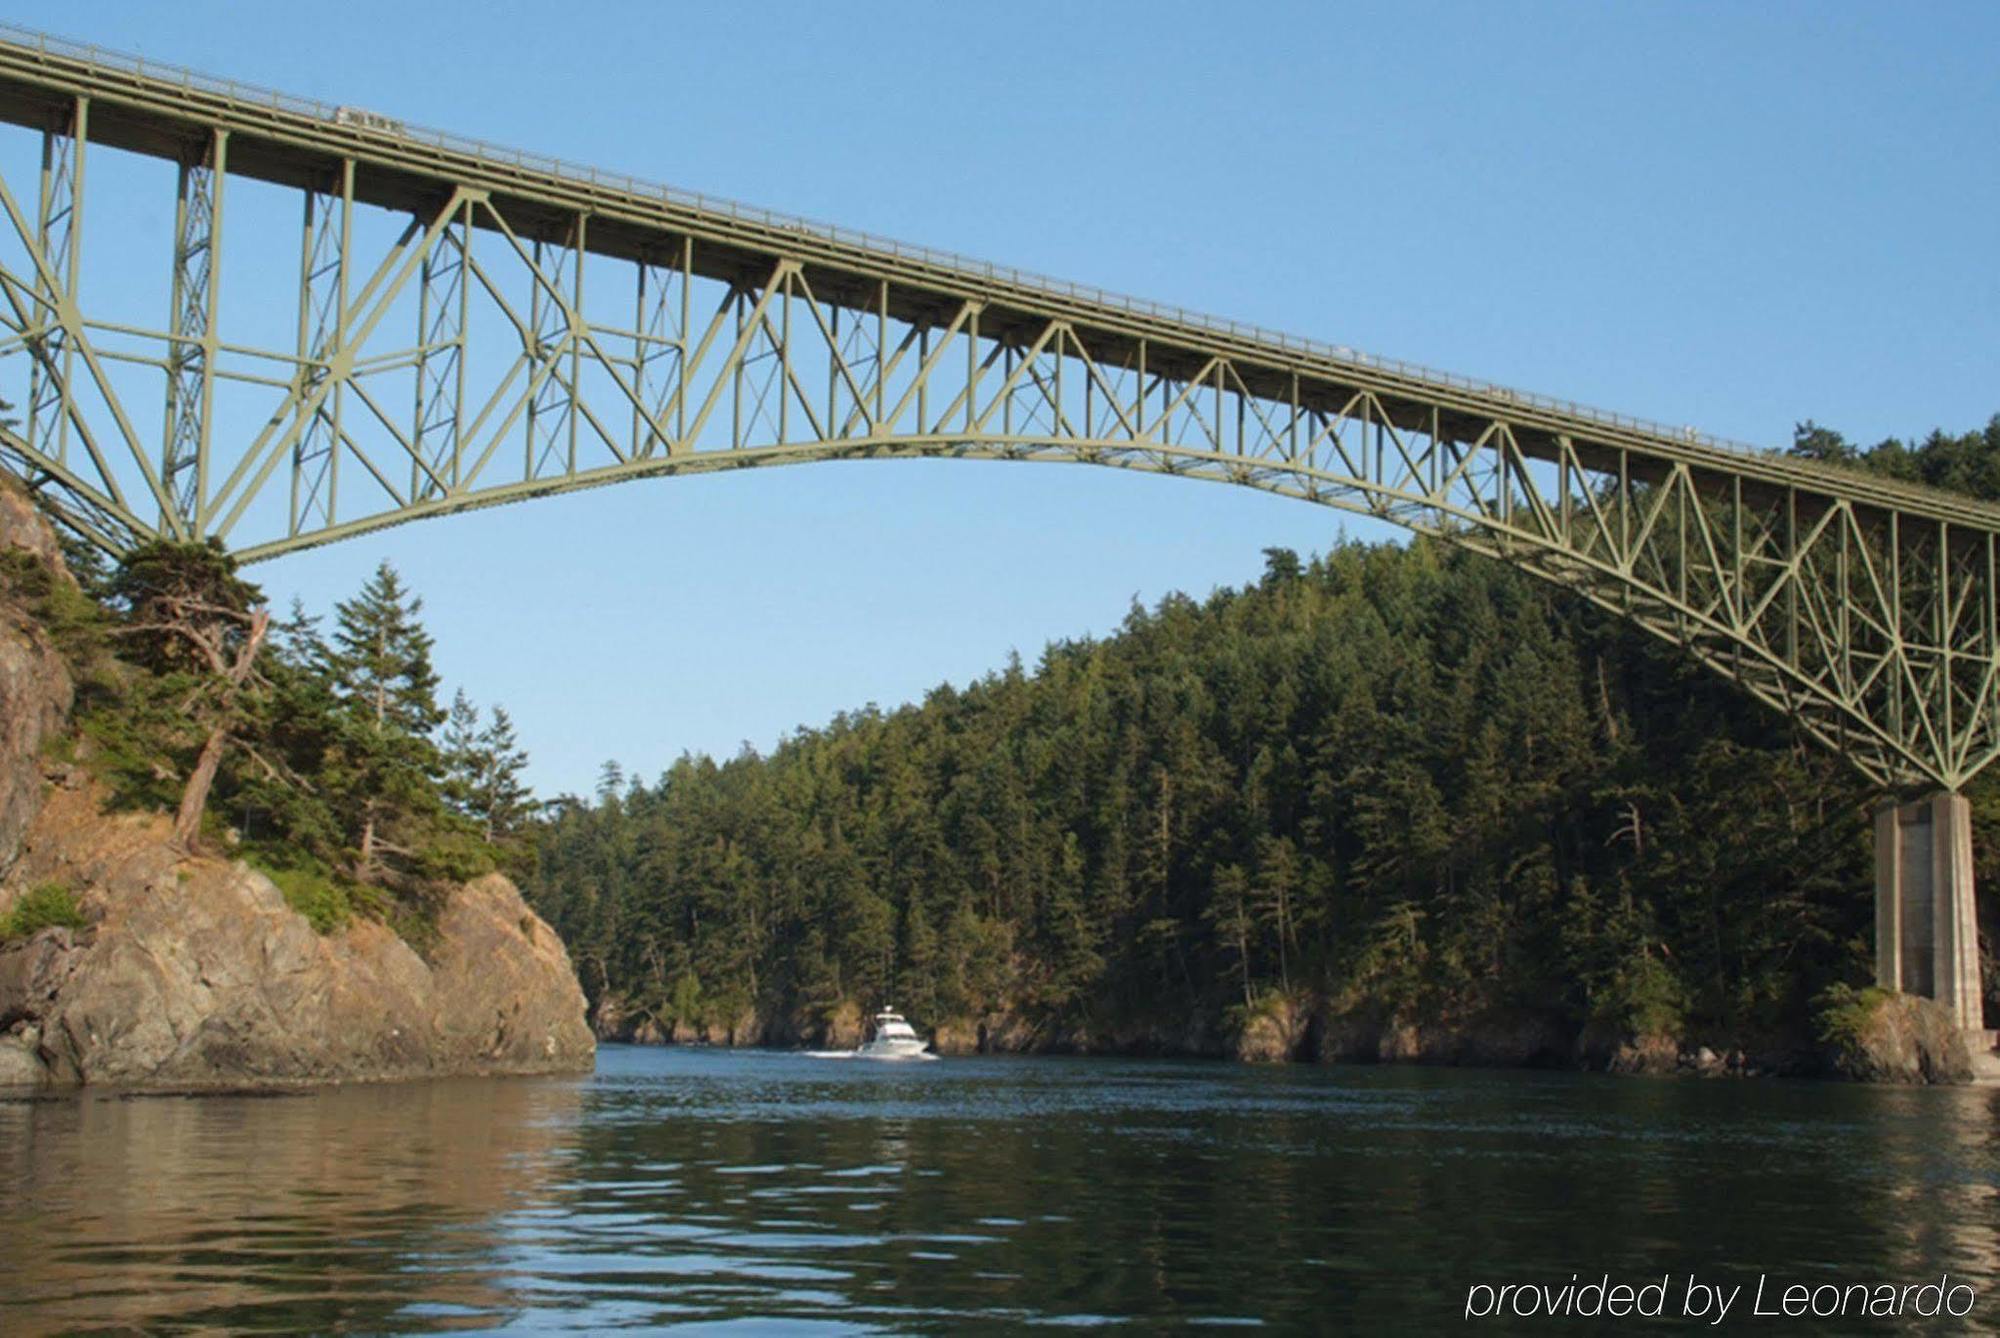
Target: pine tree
<point>1397,780</point>
<point>501,801</point>
<point>610,782</point>
<point>276,788</point>
<point>381,656</point>
<point>464,760</point>
<point>297,636</point>
<point>382,767</point>
<point>197,626</point>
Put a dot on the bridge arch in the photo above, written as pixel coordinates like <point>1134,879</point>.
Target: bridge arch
<point>459,359</point>
<point>1607,552</point>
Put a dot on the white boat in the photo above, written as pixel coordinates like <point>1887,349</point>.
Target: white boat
<point>894,1038</point>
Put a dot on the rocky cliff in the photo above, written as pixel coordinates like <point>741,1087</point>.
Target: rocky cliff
<point>195,972</point>
<point>35,688</point>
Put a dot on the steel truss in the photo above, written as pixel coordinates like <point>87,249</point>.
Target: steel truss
<point>1864,610</point>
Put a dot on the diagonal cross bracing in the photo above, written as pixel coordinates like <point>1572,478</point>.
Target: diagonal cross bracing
<point>513,327</point>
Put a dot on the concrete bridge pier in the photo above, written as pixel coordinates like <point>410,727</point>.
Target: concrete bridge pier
<point>1926,931</point>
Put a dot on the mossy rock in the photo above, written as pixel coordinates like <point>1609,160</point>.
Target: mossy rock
<point>1876,1035</point>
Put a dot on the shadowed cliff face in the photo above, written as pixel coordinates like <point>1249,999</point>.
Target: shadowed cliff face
<point>35,689</point>
<point>195,972</point>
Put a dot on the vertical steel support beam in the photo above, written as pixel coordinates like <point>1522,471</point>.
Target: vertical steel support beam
<point>685,367</point>
<point>1844,592</point>
<point>784,368</point>
<point>972,365</point>
<point>1941,596</point>
<point>59,226</point>
<point>742,304</point>
<point>1796,561</point>
<point>191,331</point>
<point>882,350</point>
<point>1987,673</point>
<point>573,332</point>
<point>659,336</point>
<point>550,398</point>
<point>322,328</point>
<point>1894,622</point>
<point>442,284</point>
<point>838,353</point>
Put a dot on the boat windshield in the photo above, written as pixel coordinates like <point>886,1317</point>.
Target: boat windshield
<point>892,1024</point>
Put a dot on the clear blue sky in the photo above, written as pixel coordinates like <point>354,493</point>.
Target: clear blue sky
<point>1733,216</point>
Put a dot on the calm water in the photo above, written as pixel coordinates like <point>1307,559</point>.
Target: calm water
<point>788,1194</point>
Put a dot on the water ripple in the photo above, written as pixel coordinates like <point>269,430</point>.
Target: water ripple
<point>725,1191</point>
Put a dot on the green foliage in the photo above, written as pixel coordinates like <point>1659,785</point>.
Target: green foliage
<point>1642,997</point>
<point>74,622</point>
<point>1404,779</point>
<point>482,772</point>
<point>327,903</point>
<point>380,656</point>
<point>328,900</point>
<point>1843,1015</point>
<point>173,595</point>
<point>168,674</point>
<point>39,908</point>
<point>350,781</point>
<point>684,1000</point>
<point>330,780</point>
<point>1965,462</point>
<point>136,740</point>
<point>416,923</point>
<point>453,853</point>
<point>377,768</point>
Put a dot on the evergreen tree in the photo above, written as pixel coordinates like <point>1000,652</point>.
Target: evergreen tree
<point>197,626</point>
<point>382,768</point>
<point>1397,780</point>
<point>501,800</point>
<point>459,749</point>
<point>482,771</point>
<point>318,750</point>
<point>610,782</point>
<point>380,657</point>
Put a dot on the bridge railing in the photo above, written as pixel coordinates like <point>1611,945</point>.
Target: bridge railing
<point>251,95</point>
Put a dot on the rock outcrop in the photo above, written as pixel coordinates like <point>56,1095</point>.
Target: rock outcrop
<point>35,688</point>
<point>1273,1034</point>
<point>195,972</point>
<point>1900,1038</point>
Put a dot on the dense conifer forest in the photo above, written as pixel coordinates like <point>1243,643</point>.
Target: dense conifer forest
<point>1394,781</point>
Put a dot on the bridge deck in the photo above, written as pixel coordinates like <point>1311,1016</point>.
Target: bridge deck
<point>170,113</point>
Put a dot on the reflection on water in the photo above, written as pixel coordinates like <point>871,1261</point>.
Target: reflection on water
<point>687,1185</point>
<point>299,1211</point>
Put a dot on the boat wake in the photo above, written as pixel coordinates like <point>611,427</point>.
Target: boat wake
<point>894,1038</point>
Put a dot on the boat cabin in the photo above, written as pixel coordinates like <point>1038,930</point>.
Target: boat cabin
<point>890,1026</point>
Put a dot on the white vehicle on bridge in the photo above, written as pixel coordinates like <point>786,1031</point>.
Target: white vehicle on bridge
<point>367,120</point>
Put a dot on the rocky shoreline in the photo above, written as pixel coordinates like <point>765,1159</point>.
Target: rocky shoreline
<point>1901,1039</point>
<point>194,973</point>
<point>184,972</point>
<point>174,971</point>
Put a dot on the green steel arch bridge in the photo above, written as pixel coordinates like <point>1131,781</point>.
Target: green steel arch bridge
<point>438,324</point>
